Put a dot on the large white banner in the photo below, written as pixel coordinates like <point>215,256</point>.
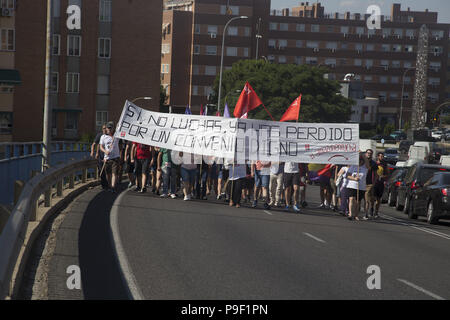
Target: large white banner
<point>241,139</point>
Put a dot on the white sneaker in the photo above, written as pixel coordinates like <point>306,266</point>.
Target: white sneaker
<point>173,196</point>
<point>186,198</point>
<point>164,195</point>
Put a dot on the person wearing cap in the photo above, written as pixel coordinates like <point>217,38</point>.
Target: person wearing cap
<point>109,145</point>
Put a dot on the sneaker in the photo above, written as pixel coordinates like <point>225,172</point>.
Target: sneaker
<point>130,185</point>
<point>164,195</point>
<point>296,208</point>
<point>186,198</point>
<point>173,196</point>
<point>365,218</point>
<point>143,190</point>
<point>219,197</point>
<point>137,189</point>
<point>304,204</point>
<point>277,204</point>
<point>267,206</point>
<point>254,204</point>
<point>322,206</point>
<point>286,208</point>
<point>376,216</point>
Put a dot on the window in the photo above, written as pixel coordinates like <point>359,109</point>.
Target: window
<point>435,66</point>
<point>101,117</point>
<point>165,68</point>
<point>330,62</point>
<point>247,31</point>
<point>7,39</point>
<point>54,82</point>
<point>314,28</point>
<point>369,63</point>
<point>282,43</point>
<point>394,79</point>
<point>405,95</point>
<point>396,48</point>
<point>281,59</point>
<point>299,43</point>
<point>231,10</point>
<point>211,50</point>
<point>300,27</point>
<point>73,83</point>
<point>212,30</point>
<point>344,45</point>
<point>398,33</point>
<point>384,63</point>
<point>298,60</point>
<point>407,64</point>
<point>195,90</point>
<point>408,48</point>
<point>104,48</point>
<point>386,32</point>
<point>210,70</point>
<point>359,46</point>
<point>407,80</point>
<point>385,47</point>
<point>396,64</point>
<point>410,33</point>
<point>330,29</point>
<point>358,62</point>
<point>103,84</point>
<point>105,10</point>
<point>382,96</point>
<point>232,51</point>
<point>393,95</point>
<point>383,79</point>
<point>74,46</point>
<point>71,120</point>
<point>245,52</point>
<point>7,4</point>
<point>6,122</point>
<point>272,43</point>
<point>273,26</point>
<point>437,34</point>
<point>311,60</point>
<point>370,47</point>
<point>344,30</point>
<point>312,44</point>
<point>196,28</point>
<point>368,79</point>
<point>56,45</point>
<point>433,97</point>
<point>56,5</point>
<point>331,45</point>
<point>360,30</point>
<point>284,26</point>
<point>196,49</point>
<point>434,81</point>
<point>165,48</point>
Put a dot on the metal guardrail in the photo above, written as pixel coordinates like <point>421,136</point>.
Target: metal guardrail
<point>14,233</point>
<point>19,160</point>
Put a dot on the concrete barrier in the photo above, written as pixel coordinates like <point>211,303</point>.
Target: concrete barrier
<point>27,219</point>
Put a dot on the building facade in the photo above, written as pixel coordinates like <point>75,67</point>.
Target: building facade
<point>383,59</point>
<point>9,76</point>
<point>115,56</point>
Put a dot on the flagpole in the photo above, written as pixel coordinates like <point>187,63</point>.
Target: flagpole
<point>268,112</point>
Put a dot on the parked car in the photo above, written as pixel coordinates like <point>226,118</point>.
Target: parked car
<point>379,137</point>
<point>398,135</point>
<point>444,160</point>
<point>404,146</point>
<point>391,155</point>
<point>433,198</point>
<point>415,178</point>
<point>437,135</point>
<point>392,184</point>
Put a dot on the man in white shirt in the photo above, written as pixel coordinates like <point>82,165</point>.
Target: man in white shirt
<point>109,145</point>
<point>291,180</point>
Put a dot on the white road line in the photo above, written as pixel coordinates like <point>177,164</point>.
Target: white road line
<point>433,232</point>
<point>129,279</point>
<point>267,212</point>
<point>313,237</point>
<point>428,293</point>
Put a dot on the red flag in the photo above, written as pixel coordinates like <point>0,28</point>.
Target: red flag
<point>201,109</point>
<point>293,111</point>
<point>248,101</point>
<point>218,114</point>
<point>325,171</point>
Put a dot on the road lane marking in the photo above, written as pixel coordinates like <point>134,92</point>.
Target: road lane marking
<point>433,232</point>
<point>428,293</point>
<point>130,280</point>
<point>313,237</point>
<point>267,212</point>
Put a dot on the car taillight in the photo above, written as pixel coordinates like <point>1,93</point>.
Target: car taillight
<point>445,192</point>
<point>398,184</point>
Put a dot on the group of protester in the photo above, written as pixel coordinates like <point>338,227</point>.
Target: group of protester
<point>342,188</point>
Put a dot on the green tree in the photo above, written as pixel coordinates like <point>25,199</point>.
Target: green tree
<point>278,85</point>
<point>388,129</point>
<point>406,126</point>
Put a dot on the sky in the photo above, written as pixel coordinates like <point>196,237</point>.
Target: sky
<point>360,6</point>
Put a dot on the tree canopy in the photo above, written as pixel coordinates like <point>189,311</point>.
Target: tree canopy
<point>278,85</point>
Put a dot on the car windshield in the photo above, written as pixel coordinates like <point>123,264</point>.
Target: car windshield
<point>446,179</point>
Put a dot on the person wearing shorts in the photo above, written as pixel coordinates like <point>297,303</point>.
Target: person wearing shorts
<point>291,181</point>
<point>356,185</point>
<point>109,145</point>
<point>141,156</point>
<point>260,170</point>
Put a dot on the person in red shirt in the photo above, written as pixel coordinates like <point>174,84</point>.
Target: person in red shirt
<point>141,156</point>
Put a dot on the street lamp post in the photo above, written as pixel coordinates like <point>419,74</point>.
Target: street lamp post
<point>401,98</point>
<point>221,58</point>
<point>46,136</point>
<point>258,36</point>
<point>141,98</point>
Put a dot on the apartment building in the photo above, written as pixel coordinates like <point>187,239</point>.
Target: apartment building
<point>381,58</point>
<point>192,43</point>
<point>115,56</point>
<point>306,34</point>
<point>9,75</point>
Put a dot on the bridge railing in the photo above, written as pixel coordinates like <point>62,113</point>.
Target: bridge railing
<point>41,190</point>
<point>18,161</point>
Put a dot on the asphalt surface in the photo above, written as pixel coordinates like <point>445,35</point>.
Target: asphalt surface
<point>207,250</point>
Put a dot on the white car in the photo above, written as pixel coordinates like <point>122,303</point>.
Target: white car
<point>437,135</point>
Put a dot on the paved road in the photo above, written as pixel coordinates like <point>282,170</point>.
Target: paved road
<point>206,250</point>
